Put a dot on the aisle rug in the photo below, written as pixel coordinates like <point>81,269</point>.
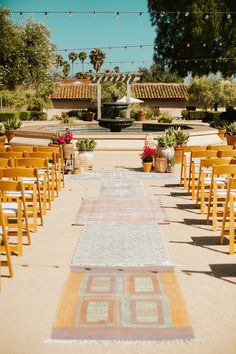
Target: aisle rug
<point>121,188</point>
<point>123,306</point>
<point>120,174</point>
<point>121,210</point>
<point>122,246</point>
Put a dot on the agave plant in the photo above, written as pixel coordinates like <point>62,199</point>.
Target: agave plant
<point>231,129</point>
<point>86,145</point>
<point>179,135</point>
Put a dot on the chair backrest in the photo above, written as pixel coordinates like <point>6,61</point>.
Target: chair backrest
<point>209,162</point>
<point>4,163</point>
<point>11,154</point>
<point>202,154</point>
<point>13,186</point>
<point>51,156</point>
<point>18,172</point>
<point>229,170</point>
<point>227,153</point>
<point>190,148</point>
<point>31,162</point>
<point>220,147</point>
<point>20,148</point>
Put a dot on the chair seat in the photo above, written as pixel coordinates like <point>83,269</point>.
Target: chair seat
<point>27,193</point>
<point>31,180</point>
<point>219,180</point>
<point>223,192</point>
<point>10,208</point>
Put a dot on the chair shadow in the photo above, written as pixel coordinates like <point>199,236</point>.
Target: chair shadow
<point>219,271</point>
<point>205,242</point>
<point>179,194</point>
<point>137,169</point>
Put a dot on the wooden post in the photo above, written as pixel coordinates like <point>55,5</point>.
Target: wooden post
<point>99,98</point>
<point>128,95</point>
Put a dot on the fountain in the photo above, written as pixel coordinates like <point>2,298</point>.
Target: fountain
<point>115,113</point>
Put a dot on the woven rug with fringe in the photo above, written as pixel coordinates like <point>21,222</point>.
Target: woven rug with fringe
<point>122,306</point>
<point>121,210</point>
<point>122,246</point>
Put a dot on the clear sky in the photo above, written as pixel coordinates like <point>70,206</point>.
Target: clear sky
<point>89,31</point>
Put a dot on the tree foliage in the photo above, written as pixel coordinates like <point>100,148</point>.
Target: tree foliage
<point>210,93</point>
<point>156,74</point>
<point>72,56</point>
<point>97,57</point>
<point>26,55</point>
<point>82,58</point>
<point>199,29</point>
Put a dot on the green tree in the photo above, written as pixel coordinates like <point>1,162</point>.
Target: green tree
<point>26,55</point>
<point>156,74</point>
<point>66,68</point>
<point>82,58</point>
<point>108,89</point>
<point>72,57</point>
<point>199,29</point>
<point>58,60</point>
<point>97,57</point>
<point>210,93</point>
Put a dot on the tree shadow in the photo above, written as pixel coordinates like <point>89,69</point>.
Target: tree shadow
<point>219,271</point>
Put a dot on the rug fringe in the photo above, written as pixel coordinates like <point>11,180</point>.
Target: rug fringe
<point>118,342</point>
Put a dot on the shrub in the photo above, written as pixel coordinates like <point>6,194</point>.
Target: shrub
<point>211,116</point>
<point>184,114</point>
<point>196,115</point>
<point>229,115</point>
<point>165,118</point>
<point>24,115</point>
<point>7,115</point>
<point>36,115</point>
<point>76,114</point>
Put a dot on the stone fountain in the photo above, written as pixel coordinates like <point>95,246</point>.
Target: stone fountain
<point>115,115</point>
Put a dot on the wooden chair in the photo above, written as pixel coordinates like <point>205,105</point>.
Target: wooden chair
<point>218,192</point>
<point>227,153</point>
<point>4,163</point>
<point>220,147</point>
<point>42,166</point>
<point>59,162</point>
<point>195,159</point>
<point>206,171</point>
<point>229,215</point>
<point>15,214</point>
<point>54,180</point>
<point>20,148</point>
<point>185,163</point>
<point>4,247</point>
<point>32,192</point>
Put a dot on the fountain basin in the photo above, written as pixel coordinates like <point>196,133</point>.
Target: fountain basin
<point>115,124</point>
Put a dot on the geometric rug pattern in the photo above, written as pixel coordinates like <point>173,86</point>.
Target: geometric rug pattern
<point>122,306</point>
<point>121,188</point>
<point>121,210</point>
<point>123,246</point>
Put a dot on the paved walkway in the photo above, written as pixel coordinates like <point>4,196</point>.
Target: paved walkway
<point>207,274</point>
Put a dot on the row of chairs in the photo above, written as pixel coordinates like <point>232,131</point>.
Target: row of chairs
<point>30,178</point>
<point>209,174</point>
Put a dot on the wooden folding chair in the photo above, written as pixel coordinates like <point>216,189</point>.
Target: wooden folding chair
<point>42,166</point>
<point>20,148</point>
<point>220,147</point>
<point>218,192</point>
<point>4,247</point>
<point>185,163</point>
<point>32,192</point>
<point>227,153</point>
<point>4,163</point>
<point>229,215</point>
<point>195,159</point>
<point>206,177</point>
<point>15,214</point>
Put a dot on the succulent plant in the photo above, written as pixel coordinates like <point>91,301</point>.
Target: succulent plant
<point>86,144</point>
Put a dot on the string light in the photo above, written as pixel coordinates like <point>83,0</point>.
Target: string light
<point>94,13</point>
<point>228,16</point>
<point>207,16</point>
<point>45,14</point>
<point>140,14</point>
<point>117,15</point>
<point>70,13</point>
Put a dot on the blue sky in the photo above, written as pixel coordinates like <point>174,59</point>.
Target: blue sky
<point>101,30</point>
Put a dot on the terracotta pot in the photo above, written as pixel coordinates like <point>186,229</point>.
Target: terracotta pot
<point>2,140</point>
<point>161,164</point>
<point>147,166</point>
<point>178,153</point>
<point>221,133</point>
<point>141,116</point>
<point>68,150</point>
<point>231,140</point>
<point>10,135</point>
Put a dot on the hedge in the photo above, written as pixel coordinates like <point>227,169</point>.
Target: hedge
<point>23,115</point>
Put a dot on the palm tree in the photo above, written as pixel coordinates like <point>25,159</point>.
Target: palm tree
<point>66,68</point>
<point>82,58</point>
<point>58,60</point>
<point>97,57</point>
<point>73,57</point>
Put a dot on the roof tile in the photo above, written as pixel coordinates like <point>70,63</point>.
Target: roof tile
<point>160,91</point>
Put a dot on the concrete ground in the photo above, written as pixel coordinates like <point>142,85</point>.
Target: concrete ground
<point>206,272</point>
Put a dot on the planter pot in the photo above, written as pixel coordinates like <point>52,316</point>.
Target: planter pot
<point>90,116</point>
<point>85,158</point>
<point>147,166</point>
<point>178,153</point>
<point>161,164</point>
<point>2,140</point>
<point>68,150</point>
<point>141,116</point>
<point>231,140</point>
<point>166,152</point>
<point>221,133</point>
<point>10,135</point>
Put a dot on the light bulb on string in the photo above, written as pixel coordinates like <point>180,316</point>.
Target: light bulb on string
<point>21,14</point>
<point>172,46</point>
<point>141,47</point>
<point>94,13</point>
<point>220,44</point>
<point>117,15</point>
<point>228,16</point>
<point>125,47</point>
<point>162,14</point>
<point>204,44</point>
<point>187,14</point>
<point>45,14</point>
<point>206,16</point>
<point>140,15</point>
<point>175,62</point>
<point>70,13</point>
<point>188,45</point>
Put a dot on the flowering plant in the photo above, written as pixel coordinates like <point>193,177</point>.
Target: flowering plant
<point>61,138</point>
<point>148,154</point>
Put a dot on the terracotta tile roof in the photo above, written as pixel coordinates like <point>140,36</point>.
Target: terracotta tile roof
<point>74,91</point>
<point>159,91</point>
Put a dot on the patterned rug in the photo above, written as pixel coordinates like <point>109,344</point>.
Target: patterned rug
<point>121,188</point>
<point>122,246</point>
<point>122,306</point>
<point>121,210</point>
<point>120,174</point>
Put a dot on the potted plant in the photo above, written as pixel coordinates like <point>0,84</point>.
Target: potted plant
<point>2,135</point>
<point>221,125</point>
<point>165,146</point>
<point>148,155</point>
<point>231,134</point>
<point>64,139</point>
<point>85,148</point>
<point>11,124</point>
<point>181,139</point>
